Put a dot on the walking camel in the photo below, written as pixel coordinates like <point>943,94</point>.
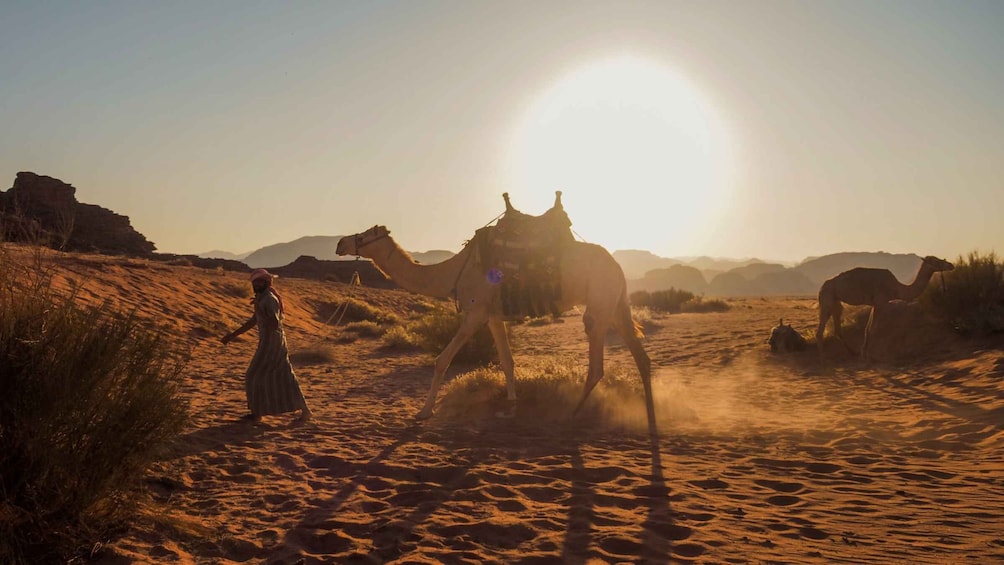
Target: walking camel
<point>870,287</point>
<point>589,275</point>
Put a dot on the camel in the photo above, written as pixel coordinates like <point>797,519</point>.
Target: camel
<point>870,287</point>
<point>589,276</point>
<point>784,338</point>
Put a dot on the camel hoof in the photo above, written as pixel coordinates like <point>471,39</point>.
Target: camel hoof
<point>423,415</point>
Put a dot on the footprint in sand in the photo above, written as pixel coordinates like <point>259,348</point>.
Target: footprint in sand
<point>783,500</point>
<point>488,534</point>
<point>620,547</point>
<point>781,486</point>
<point>813,533</point>
<point>322,542</point>
<point>710,484</point>
<point>822,468</point>
<point>689,549</point>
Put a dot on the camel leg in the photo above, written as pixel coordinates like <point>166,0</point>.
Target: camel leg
<point>824,316</point>
<point>470,325</point>
<point>596,331</point>
<point>632,335</point>
<point>838,314</point>
<point>497,327</point>
<point>869,330</point>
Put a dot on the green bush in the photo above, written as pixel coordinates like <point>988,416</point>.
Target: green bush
<point>971,297</point>
<point>88,399</point>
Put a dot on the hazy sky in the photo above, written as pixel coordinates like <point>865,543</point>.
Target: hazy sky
<point>756,128</point>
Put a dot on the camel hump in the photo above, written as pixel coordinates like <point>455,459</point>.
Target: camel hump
<point>523,252</point>
<point>550,227</point>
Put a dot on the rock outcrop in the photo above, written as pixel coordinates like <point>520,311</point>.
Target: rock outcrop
<point>306,267</point>
<point>41,209</point>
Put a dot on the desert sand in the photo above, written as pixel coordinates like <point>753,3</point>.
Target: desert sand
<point>759,458</point>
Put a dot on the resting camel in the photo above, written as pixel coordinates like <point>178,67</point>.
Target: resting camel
<point>871,287</point>
<point>589,275</point>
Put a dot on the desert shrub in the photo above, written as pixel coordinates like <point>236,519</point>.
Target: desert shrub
<point>642,315</point>
<point>399,337</point>
<point>365,328</point>
<point>353,310</point>
<point>548,388</point>
<point>539,321</point>
<point>700,305</point>
<point>971,298</point>
<point>89,397</point>
<point>670,300</point>
<point>433,330</point>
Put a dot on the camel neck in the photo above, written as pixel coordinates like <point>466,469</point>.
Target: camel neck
<point>913,290</point>
<point>438,280</point>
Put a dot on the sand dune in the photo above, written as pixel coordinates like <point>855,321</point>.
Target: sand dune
<point>759,458</point>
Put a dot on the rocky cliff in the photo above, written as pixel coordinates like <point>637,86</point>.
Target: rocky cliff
<point>41,209</point>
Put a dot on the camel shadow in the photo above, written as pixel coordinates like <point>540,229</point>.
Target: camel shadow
<point>392,536</point>
<point>993,419</point>
<point>476,462</point>
<point>658,531</point>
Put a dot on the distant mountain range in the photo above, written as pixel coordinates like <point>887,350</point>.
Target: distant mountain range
<point>756,278</point>
<point>39,206</point>
<point>647,271</point>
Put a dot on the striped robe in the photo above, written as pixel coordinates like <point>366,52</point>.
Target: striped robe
<point>270,383</point>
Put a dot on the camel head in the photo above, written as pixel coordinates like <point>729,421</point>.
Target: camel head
<point>937,265</point>
<point>353,244</point>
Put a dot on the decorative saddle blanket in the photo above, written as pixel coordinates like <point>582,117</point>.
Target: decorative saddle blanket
<point>522,254</point>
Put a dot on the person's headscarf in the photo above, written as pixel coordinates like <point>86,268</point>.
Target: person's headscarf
<point>262,274</point>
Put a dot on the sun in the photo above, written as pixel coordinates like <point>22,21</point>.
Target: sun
<point>638,152</point>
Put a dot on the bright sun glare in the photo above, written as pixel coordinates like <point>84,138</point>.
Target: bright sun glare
<point>640,156</point>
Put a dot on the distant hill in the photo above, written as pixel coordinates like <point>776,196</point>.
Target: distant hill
<point>217,254</point>
<point>432,256</point>
<point>645,270</point>
<point>717,264</point>
<point>754,270</point>
<point>680,277</point>
<point>757,278</point>
<point>637,262</point>
<point>903,265</point>
<point>321,247</point>
<point>786,282</point>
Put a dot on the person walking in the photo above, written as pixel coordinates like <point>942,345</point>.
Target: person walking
<point>269,382</point>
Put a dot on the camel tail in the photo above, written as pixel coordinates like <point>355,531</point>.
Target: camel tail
<point>626,321</point>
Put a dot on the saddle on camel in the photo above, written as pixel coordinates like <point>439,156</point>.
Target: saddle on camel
<point>522,254</point>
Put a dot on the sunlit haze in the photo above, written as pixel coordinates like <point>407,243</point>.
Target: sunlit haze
<point>777,130</point>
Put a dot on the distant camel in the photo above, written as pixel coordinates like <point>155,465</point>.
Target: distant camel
<point>589,275</point>
<point>870,287</point>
